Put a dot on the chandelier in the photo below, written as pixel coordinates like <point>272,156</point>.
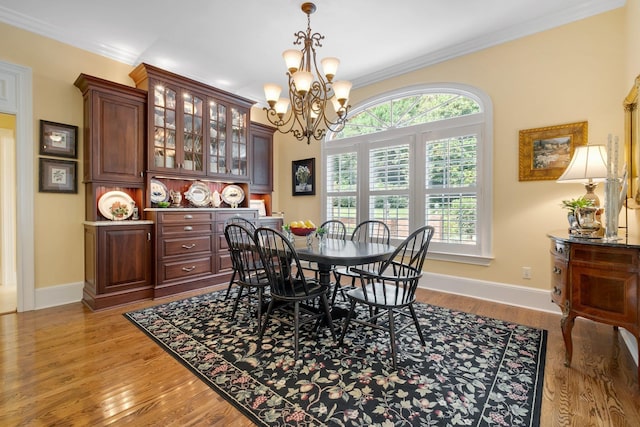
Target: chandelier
<point>310,91</point>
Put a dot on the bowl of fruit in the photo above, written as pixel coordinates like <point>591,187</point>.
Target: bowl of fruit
<point>302,228</point>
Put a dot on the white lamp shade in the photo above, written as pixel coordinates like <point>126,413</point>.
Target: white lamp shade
<point>272,91</point>
<point>330,66</point>
<point>282,106</point>
<point>292,58</point>
<point>302,80</point>
<point>342,88</point>
<point>588,164</point>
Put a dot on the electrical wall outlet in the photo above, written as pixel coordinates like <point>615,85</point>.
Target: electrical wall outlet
<point>526,272</point>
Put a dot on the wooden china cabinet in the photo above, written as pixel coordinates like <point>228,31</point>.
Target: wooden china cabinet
<point>118,254</point>
<point>176,135</point>
<point>194,129</point>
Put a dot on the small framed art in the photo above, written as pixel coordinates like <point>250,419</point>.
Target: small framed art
<point>57,139</point>
<point>303,177</point>
<point>546,152</point>
<point>58,176</point>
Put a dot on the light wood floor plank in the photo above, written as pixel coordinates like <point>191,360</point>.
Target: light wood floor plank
<point>73,367</point>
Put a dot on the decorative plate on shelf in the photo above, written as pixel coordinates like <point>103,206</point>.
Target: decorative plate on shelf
<point>159,192</point>
<point>115,205</point>
<point>198,194</point>
<point>232,195</point>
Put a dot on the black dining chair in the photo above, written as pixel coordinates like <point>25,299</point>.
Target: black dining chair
<point>247,266</point>
<point>370,231</point>
<point>391,290</point>
<point>251,227</point>
<point>290,290</point>
<point>334,229</point>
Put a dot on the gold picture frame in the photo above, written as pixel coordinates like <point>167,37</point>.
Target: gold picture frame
<point>546,152</point>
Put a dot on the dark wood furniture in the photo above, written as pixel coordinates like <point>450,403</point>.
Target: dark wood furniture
<point>191,250</point>
<point>261,158</point>
<point>176,130</point>
<point>596,280</point>
<point>341,252</point>
<point>194,129</point>
<point>118,264</point>
<point>118,254</point>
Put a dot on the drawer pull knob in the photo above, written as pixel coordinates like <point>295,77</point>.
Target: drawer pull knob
<point>188,216</point>
<point>191,246</point>
<point>188,269</point>
<point>188,228</point>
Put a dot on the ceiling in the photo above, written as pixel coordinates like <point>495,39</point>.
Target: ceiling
<point>236,45</point>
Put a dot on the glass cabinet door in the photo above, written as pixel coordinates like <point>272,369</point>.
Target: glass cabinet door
<point>193,149</point>
<point>164,142</point>
<point>217,138</point>
<point>238,142</point>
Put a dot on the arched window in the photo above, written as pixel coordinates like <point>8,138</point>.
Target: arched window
<point>417,156</point>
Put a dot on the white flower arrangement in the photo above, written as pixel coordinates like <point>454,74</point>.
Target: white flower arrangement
<point>302,174</point>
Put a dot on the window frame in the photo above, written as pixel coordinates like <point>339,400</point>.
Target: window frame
<point>482,252</point>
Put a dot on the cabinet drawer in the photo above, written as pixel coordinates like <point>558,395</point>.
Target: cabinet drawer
<point>559,268</point>
<point>186,229</point>
<point>186,269</point>
<point>224,262</point>
<point>187,217</point>
<point>559,249</point>
<point>190,245</point>
<point>250,215</point>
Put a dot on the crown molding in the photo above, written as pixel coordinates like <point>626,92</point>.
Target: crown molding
<point>533,26</point>
<point>36,26</point>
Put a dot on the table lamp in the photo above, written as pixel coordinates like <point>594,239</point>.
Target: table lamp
<point>589,167</point>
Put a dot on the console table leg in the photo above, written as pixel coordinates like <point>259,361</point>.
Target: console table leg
<point>566,323</point>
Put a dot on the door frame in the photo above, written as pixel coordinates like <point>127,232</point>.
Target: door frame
<point>16,98</point>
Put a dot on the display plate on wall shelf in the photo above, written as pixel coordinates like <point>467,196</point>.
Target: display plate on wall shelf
<point>116,205</point>
<point>232,195</point>
<point>159,192</point>
<point>198,194</point>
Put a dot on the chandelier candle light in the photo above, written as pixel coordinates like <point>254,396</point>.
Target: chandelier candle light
<point>310,93</point>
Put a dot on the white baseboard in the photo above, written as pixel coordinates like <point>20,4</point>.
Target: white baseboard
<point>58,295</point>
<point>518,296</point>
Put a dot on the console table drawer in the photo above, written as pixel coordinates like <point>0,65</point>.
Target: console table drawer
<point>606,257</point>
<point>559,270</point>
<point>559,249</point>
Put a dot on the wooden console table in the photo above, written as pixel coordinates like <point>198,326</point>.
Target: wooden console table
<point>596,280</point>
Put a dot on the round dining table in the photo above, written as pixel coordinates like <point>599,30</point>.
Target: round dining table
<point>342,252</point>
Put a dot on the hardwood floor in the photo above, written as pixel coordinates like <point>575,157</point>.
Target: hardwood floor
<point>69,366</point>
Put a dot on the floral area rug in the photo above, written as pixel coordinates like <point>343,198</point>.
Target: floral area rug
<point>473,371</point>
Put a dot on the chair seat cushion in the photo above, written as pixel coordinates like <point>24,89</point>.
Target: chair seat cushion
<point>381,294</point>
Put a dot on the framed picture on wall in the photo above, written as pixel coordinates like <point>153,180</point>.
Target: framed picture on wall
<point>303,177</point>
<point>546,152</point>
<point>58,176</point>
<point>57,139</point>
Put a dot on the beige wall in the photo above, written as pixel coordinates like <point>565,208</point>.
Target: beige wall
<point>59,245</point>
<point>568,74</point>
<point>576,72</point>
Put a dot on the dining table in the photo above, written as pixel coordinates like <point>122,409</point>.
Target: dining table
<point>348,253</point>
